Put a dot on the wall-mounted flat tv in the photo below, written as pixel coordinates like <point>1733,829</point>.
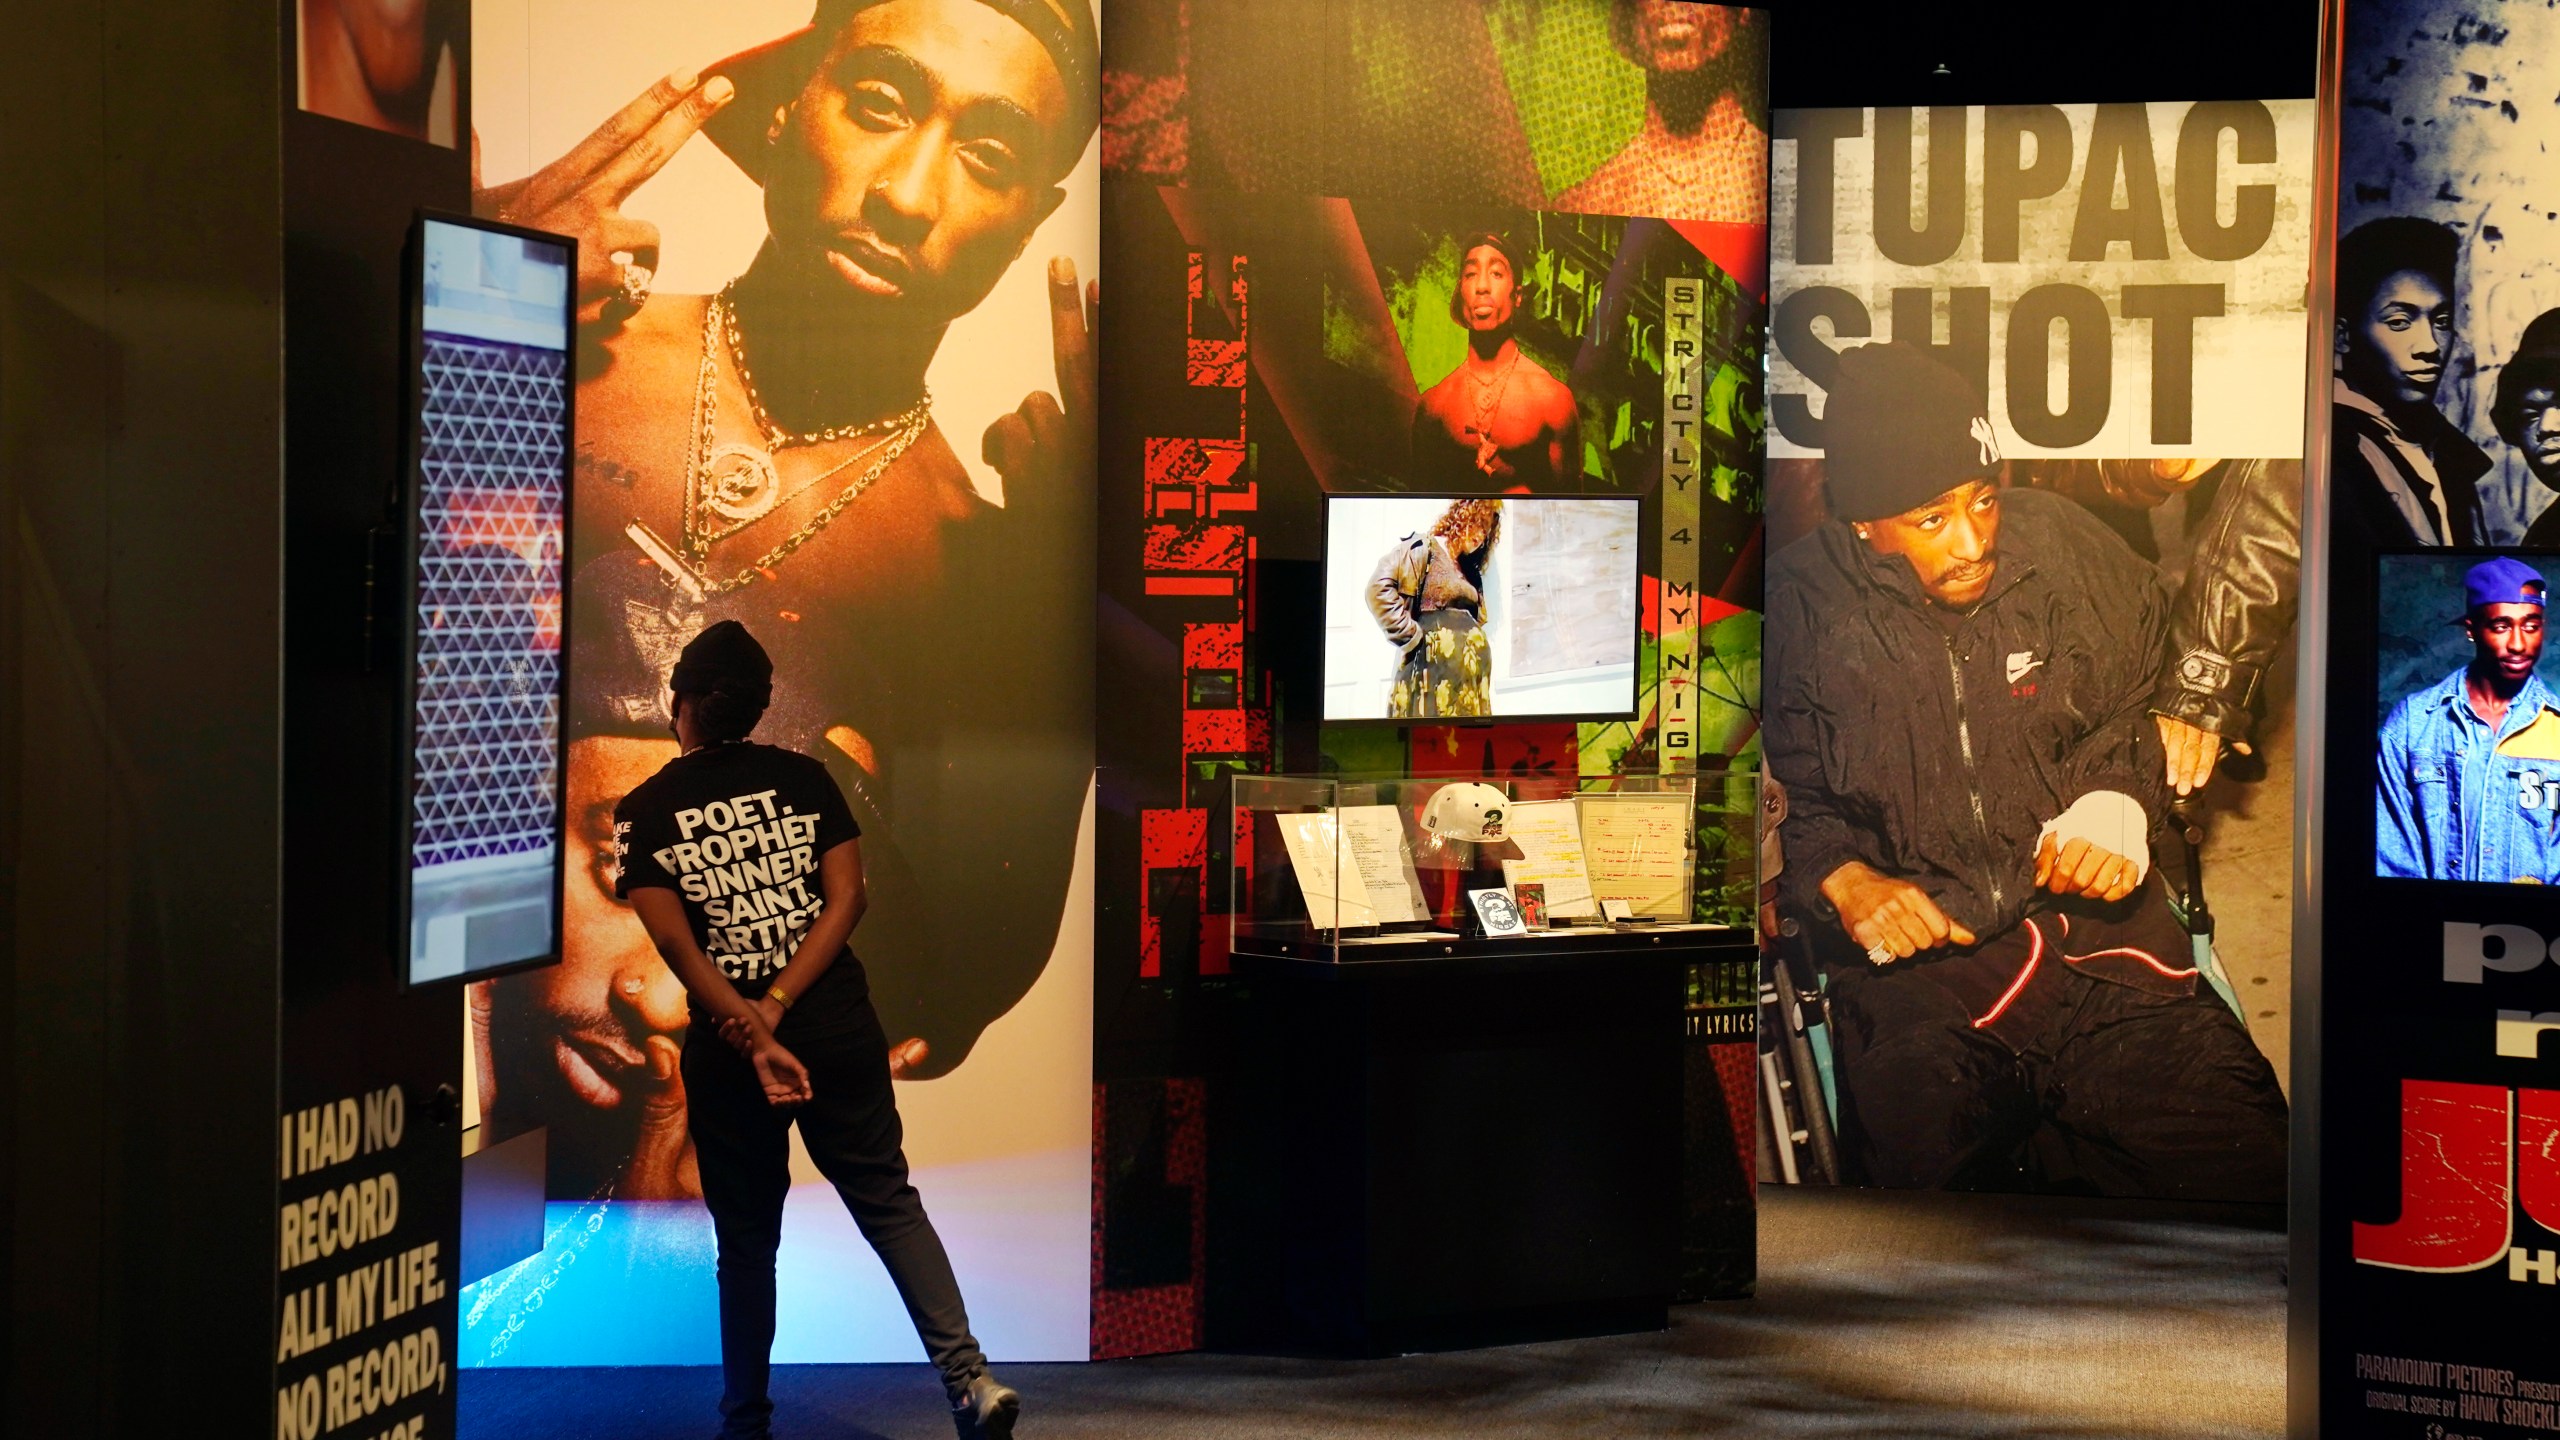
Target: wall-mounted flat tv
<point>1450,609</point>
<point>486,494</point>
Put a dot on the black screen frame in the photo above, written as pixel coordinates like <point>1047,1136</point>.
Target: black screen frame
<point>406,494</point>
<point>1635,633</point>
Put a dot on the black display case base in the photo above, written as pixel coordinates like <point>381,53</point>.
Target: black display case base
<point>1441,1147</point>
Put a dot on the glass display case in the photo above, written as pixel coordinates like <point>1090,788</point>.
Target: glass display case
<point>1350,868</point>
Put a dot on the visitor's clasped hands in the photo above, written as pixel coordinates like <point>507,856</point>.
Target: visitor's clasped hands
<point>741,1035</point>
<point>784,1078</point>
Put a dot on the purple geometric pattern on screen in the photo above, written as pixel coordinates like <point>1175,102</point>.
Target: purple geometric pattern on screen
<point>489,576</point>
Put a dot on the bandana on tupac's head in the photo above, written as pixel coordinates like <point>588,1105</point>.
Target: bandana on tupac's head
<point>773,73</point>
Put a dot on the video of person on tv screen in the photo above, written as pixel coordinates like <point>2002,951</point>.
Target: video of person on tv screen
<point>1479,607</point>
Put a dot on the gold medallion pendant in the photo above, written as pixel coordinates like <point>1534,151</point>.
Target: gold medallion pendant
<point>730,486</point>
<point>739,484</point>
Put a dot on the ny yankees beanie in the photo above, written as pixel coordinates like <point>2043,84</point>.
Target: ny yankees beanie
<point>1899,430</point>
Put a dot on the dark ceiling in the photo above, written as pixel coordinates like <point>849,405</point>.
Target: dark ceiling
<point>1835,52</point>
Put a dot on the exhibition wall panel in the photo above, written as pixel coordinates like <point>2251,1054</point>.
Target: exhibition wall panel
<point>2426,1214</point>
<point>928,606</point>
<point>366,1145</point>
<point>139,687</point>
<point>1301,202</point>
<point>2089,319</point>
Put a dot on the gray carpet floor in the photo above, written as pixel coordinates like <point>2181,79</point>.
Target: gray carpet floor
<point>1878,1315</point>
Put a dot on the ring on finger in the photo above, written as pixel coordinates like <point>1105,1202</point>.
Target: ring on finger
<point>636,282</point>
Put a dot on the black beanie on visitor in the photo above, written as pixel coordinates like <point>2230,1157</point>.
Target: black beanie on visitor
<point>1900,429</point>
<point>725,660</point>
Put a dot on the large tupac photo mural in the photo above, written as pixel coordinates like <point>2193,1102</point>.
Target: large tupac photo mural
<point>2035,516</point>
<point>844,396</point>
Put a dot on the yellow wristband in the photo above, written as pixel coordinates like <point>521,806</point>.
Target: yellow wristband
<point>778,996</point>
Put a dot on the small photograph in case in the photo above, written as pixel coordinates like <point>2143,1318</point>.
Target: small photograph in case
<point>1498,912</point>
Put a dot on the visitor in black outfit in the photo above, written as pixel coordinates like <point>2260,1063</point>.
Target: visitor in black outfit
<point>1961,677</point>
<point>742,860</point>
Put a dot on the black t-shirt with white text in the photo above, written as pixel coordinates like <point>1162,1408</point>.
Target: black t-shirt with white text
<point>736,831</point>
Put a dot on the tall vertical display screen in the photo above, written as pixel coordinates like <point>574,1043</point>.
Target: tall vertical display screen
<point>2431,1205</point>
<point>488,514</point>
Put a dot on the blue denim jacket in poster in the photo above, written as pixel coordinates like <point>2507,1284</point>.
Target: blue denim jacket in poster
<point>2456,801</point>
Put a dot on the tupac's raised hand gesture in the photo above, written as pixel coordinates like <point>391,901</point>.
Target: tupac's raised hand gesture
<point>581,194</point>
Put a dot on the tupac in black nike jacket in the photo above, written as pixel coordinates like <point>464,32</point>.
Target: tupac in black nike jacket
<point>1961,678</point>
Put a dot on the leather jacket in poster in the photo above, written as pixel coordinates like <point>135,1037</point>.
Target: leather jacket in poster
<point>2244,582</point>
<point>1935,745</point>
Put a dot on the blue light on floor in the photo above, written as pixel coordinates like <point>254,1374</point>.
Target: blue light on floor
<point>631,1282</point>
<point>617,1283</point>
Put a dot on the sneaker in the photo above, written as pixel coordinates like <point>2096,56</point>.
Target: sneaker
<point>988,1411</point>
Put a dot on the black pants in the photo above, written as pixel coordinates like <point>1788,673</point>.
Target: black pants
<point>743,1146</point>
<point>2111,1091</point>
